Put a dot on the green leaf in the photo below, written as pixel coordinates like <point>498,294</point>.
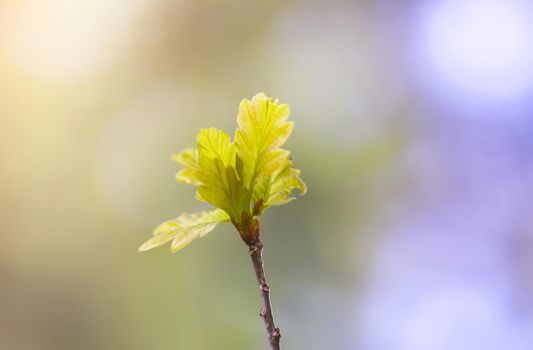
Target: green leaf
<point>282,186</point>
<point>220,183</point>
<point>263,127</point>
<point>266,168</point>
<point>184,229</point>
<point>189,160</point>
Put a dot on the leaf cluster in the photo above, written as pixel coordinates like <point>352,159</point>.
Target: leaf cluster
<point>240,178</point>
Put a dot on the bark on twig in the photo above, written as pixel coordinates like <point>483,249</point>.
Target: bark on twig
<point>256,253</point>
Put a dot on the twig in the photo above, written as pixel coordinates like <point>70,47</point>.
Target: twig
<point>256,253</point>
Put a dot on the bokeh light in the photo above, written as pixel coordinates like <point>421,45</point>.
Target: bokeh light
<point>480,47</point>
<point>62,40</point>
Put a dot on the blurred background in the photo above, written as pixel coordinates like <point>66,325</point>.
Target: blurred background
<point>414,125</point>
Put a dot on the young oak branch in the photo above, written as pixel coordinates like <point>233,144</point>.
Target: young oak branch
<point>241,179</point>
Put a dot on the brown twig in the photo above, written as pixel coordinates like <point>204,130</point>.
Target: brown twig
<point>256,253</point>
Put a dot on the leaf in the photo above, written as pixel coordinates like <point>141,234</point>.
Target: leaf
<point>263,126</point>
<point>215,144</point>
<point>220,184</point>
<point>184,229</point>
<point>189,160</point>
<point>282,186</point>
<point>263,129</point>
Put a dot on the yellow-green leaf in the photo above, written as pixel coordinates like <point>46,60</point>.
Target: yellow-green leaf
<point>187,227</point>
<point>263,126</point>
<point>189,160</point>
<point>263,129</point>
<point>220,184</point>
<point>282,186</point>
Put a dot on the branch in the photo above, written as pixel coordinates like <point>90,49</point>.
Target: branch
<point>256,253</point>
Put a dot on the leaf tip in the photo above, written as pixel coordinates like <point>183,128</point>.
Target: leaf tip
<point>144,247</point>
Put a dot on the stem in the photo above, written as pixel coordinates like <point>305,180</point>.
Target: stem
<point>256,253</point>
